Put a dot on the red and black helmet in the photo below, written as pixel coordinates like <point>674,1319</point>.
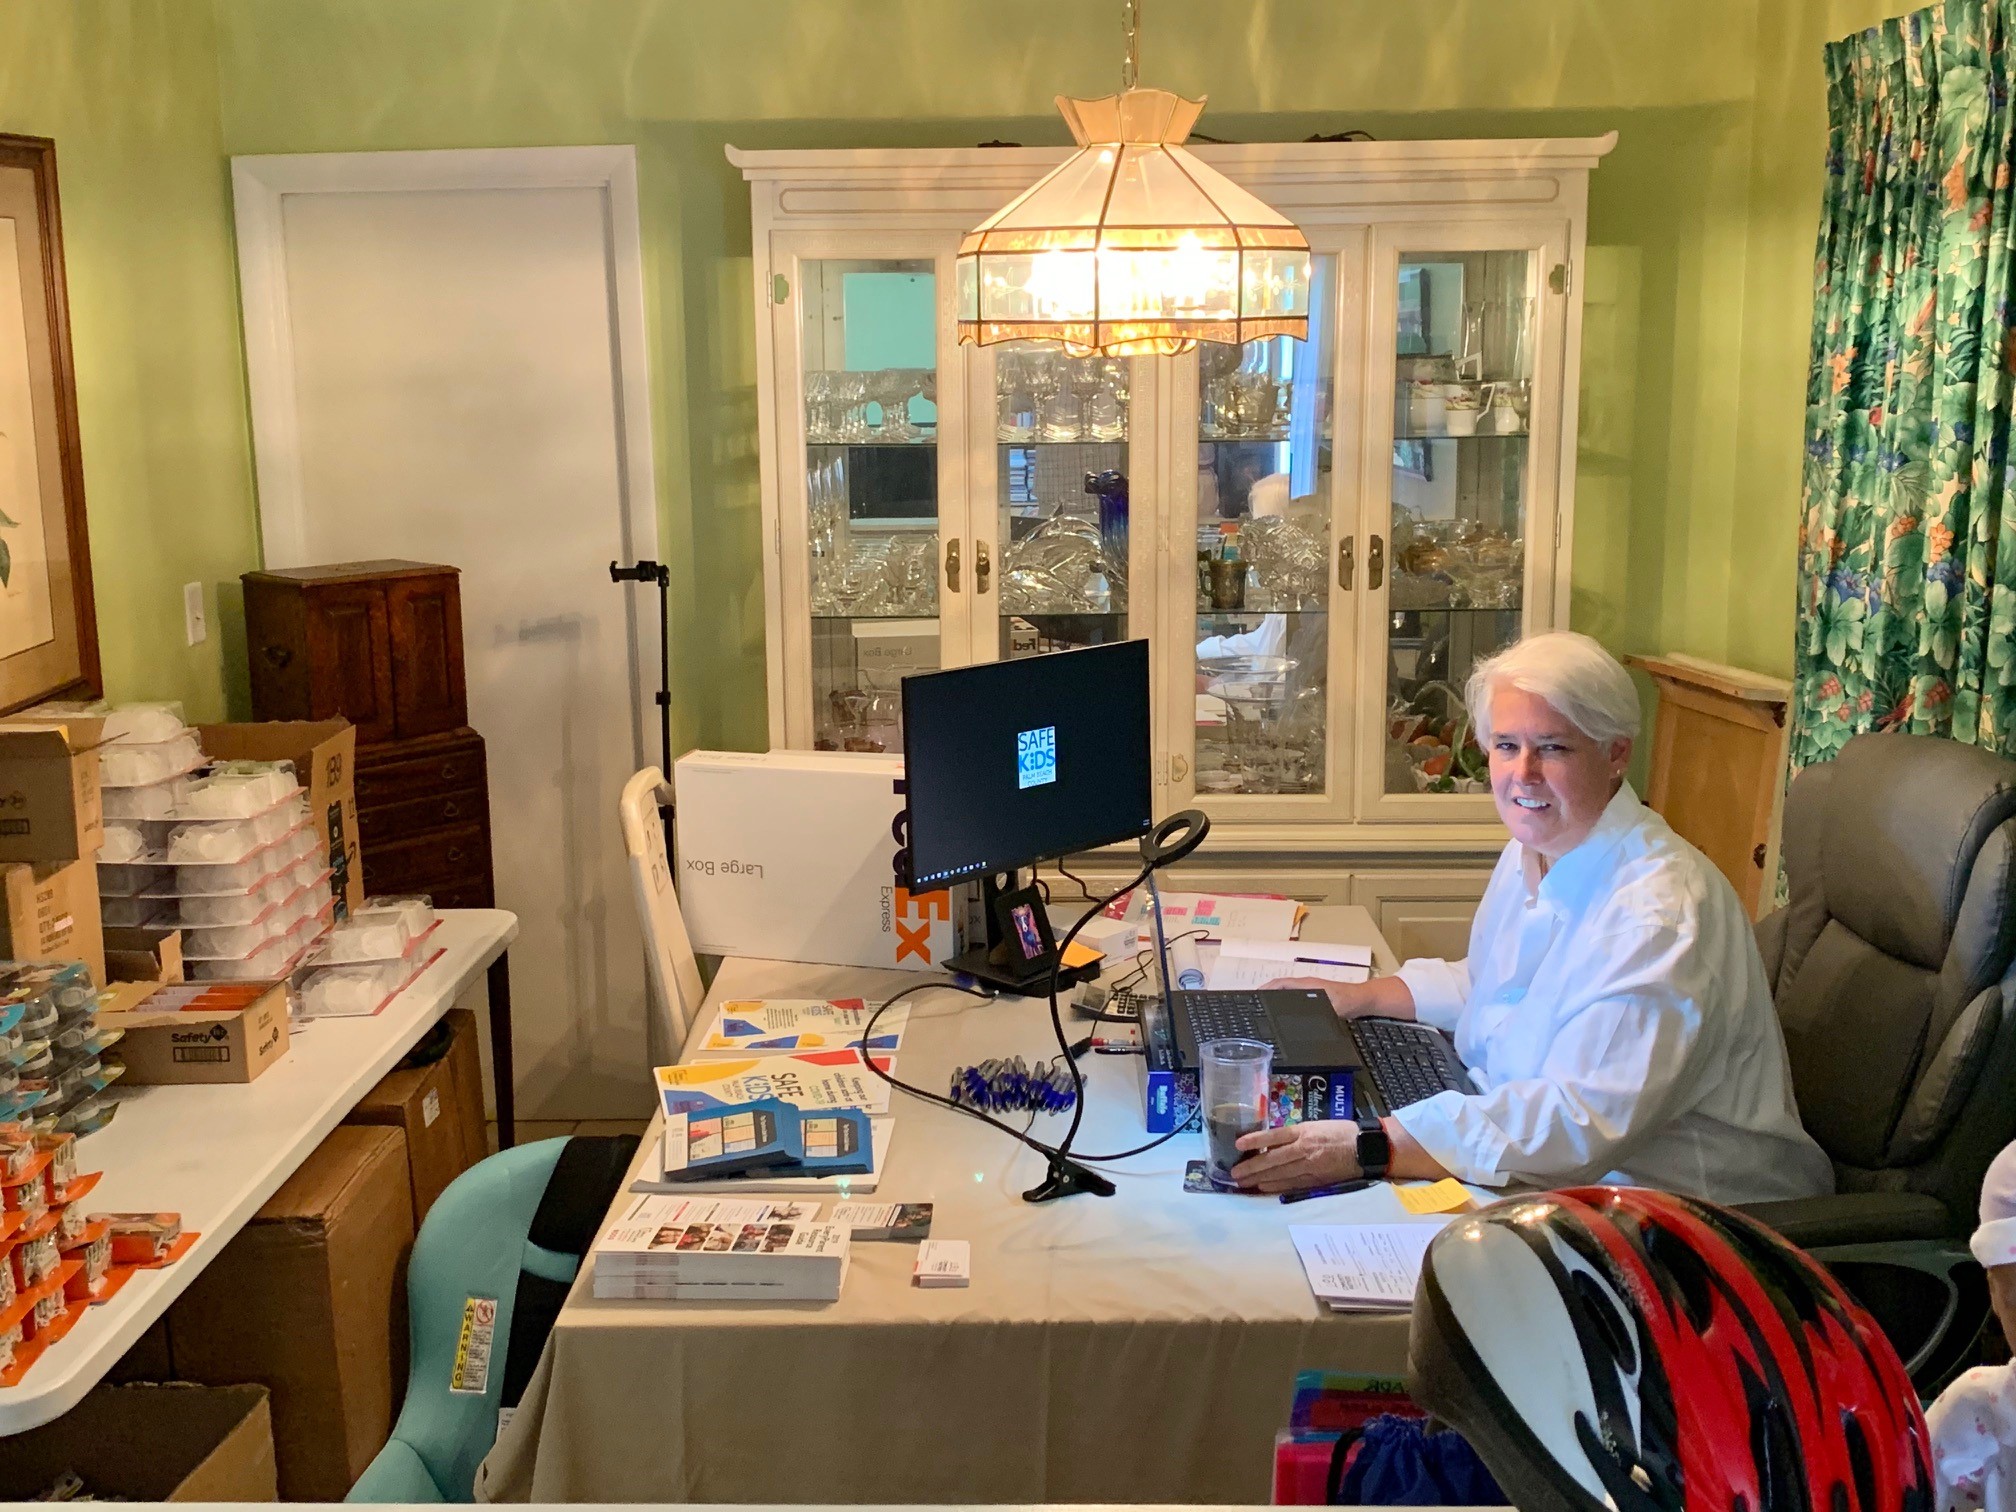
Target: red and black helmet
<point>1619,1348</point>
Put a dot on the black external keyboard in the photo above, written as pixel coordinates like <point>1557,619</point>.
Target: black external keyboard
<point>1227,1015</point>
<point>1408,1062</point>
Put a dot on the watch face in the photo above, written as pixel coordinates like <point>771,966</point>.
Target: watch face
<point>1375,1151</point>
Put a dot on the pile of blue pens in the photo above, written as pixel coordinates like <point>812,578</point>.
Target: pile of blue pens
<point>1013,1086</point>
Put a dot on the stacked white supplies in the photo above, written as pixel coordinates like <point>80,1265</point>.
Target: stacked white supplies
<point>1364,1267</point>
<point>226,856</point>
<point>370,958</point>
<point>686,1250</point>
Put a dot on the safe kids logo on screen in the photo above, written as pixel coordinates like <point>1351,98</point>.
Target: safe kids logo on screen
<point>1036,757</point>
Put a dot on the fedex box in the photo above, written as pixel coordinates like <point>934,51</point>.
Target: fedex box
<point>791,856</point>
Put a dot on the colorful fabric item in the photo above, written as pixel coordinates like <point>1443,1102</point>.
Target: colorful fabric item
<point>1907,539</point>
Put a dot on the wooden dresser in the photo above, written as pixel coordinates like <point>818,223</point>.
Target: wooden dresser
<point>380,643</point>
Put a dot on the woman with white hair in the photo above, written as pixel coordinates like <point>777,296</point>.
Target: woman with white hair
<point>1613,1009</point>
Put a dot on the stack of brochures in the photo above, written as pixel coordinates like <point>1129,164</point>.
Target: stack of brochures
<point>680,1250</point>
<point>829,1101</point>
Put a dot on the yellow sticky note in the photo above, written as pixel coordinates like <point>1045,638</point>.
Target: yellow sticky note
<point>1444,1196</point>
<point>1078,953</point>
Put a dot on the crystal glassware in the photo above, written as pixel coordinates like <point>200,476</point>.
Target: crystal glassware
<point>850,392</point>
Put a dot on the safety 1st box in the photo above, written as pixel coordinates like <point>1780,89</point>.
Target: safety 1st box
<point>793,856</point>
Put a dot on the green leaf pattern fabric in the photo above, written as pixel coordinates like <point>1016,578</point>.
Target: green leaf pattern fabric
<point>1907,538</point>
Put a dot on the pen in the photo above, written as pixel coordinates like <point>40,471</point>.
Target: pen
<point>1330,1191</point>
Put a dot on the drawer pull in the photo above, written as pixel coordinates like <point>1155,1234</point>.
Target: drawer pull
<point>450,771</point>
<point>455,854</point>
<point>451,810</point>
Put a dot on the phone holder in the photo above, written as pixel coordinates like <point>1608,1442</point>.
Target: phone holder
<point>1175,837</point>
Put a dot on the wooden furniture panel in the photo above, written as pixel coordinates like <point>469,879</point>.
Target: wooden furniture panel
<point>1423,913</point>
<point>428,693</point>
<point>423,812</point>
<point>1718,765</point>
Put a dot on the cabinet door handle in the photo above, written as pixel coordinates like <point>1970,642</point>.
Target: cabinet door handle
<point>1347,566</point>
<point>982,567</point>
<point>278,656</point>
<point>952,565</point>
<point>1179,768</point>
<point>1375,563</point>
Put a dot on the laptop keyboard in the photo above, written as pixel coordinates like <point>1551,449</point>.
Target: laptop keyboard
<point>1228,1015</point>
<point>1408,1062</point>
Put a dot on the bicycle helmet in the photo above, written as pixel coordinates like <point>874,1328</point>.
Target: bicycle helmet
<point>1619,1348</point>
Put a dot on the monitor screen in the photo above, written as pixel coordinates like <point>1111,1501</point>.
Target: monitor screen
<point>1015,762</point>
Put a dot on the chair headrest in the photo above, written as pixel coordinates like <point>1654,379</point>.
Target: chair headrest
<point>1905,819</point>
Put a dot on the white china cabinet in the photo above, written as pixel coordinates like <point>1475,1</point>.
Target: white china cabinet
<point>1318,538</point>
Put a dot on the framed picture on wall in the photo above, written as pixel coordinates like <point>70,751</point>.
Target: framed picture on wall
<point>48,620</point>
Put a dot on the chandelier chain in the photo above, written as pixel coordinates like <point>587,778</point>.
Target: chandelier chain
<point>1130,23</point>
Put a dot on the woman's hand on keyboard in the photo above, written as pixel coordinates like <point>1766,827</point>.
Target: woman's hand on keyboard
<point>1382,997</point>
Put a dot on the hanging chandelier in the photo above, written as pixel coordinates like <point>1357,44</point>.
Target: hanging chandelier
<point>1132,247</point>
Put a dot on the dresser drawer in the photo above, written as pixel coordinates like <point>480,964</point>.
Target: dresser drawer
<point>450,858</point>
<point>388,823</point>
<point>394,774</point>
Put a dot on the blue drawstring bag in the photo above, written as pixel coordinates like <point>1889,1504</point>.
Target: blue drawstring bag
<point>1399,1463</point>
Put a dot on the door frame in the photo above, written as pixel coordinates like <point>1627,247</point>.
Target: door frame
<point>260,187</point>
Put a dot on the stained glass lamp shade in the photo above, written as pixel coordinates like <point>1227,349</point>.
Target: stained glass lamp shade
<point>1133,246</point>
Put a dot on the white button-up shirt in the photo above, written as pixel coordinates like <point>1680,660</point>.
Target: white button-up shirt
<point>1614,1014</point>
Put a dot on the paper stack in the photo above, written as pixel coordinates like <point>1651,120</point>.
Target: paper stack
<point>1363,1267</point>
<point>1243,965</point>
<point>675,1249</point>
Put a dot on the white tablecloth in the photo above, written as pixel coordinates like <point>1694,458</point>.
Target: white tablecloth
<point>1136,1348</point>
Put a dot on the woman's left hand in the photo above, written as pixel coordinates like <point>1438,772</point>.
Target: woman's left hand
<point>1301,1155</point>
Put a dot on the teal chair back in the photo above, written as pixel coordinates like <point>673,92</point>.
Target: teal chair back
<point>465,1266</point>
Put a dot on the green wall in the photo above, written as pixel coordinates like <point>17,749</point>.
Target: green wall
<point>128,90</point>
<point>1698,281</point>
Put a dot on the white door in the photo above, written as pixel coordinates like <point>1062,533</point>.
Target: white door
<point>447,363</point>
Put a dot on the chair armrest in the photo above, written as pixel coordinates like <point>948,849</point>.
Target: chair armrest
<point>1855,1218</point>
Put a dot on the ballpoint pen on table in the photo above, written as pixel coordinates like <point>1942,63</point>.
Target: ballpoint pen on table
<point>1339,1189</point>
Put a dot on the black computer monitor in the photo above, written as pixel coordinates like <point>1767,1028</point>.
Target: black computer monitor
<point>1011,763</point>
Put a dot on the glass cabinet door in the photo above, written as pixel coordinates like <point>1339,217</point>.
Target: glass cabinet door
<point>1059,564</point>
<point>1259,641</point>
<point>1459,510</point>
<point>868,350</point>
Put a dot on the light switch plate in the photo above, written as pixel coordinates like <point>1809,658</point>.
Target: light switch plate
<point>194,621</point>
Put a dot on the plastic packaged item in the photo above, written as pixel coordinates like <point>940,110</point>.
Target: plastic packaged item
<point>88,1116</point>
<point>35,1260</point>
<point>141,1238</point>
<point>307,871</point>
<point>27,1194</point>
<point>209,878</point>
<point>350,991</point>
<point>70,1224</point>
<point>17,1152</point>
<point>67,984</point>
<point>246,907</point>
<point>62,1169</point>
<point>123,843</point>
<point>124,880</point>
<point>267,961</point>
<point>93,1251</point>
<point>239,790</point>
<point>229,940</point>
<point>370,934</point>
<point>416,911</point>
<point>142,764</point>
<point>215,840</point>
<point>137,913</point>
<point>143,723</point>
<point>154,800</point>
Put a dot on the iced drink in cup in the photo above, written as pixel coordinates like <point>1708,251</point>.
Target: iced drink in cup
<point>1232,1076</point>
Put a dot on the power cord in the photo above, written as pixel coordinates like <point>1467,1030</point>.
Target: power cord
<point>1166,844</point>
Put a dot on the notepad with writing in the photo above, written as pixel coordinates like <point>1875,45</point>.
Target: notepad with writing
<point>1363,1267</point>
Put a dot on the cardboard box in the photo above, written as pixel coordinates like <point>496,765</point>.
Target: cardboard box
<point>49,912</point>
<point>309,1300</point>
<point>465,1066</point>
<point>49,803</point>
<point>197,1032</point>
<point>142,955</point>
<point>422,1100</point>
<point>177,1443</point>
<point>324,753</point>
<point>791,856</point>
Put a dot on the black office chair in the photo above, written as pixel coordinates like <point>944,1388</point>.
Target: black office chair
<point>1891,968</point>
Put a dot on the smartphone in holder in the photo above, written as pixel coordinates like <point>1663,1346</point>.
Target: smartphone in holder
<point>1027,949</point>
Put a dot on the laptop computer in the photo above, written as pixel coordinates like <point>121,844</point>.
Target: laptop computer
<point>1399,1062</point>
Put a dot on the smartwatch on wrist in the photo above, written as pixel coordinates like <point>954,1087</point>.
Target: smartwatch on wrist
<point>1375,1150</point>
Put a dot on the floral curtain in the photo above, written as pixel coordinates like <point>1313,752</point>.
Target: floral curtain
<point>1907,541</point>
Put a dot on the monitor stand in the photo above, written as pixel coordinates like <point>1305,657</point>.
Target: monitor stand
<point>1000,963</point>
